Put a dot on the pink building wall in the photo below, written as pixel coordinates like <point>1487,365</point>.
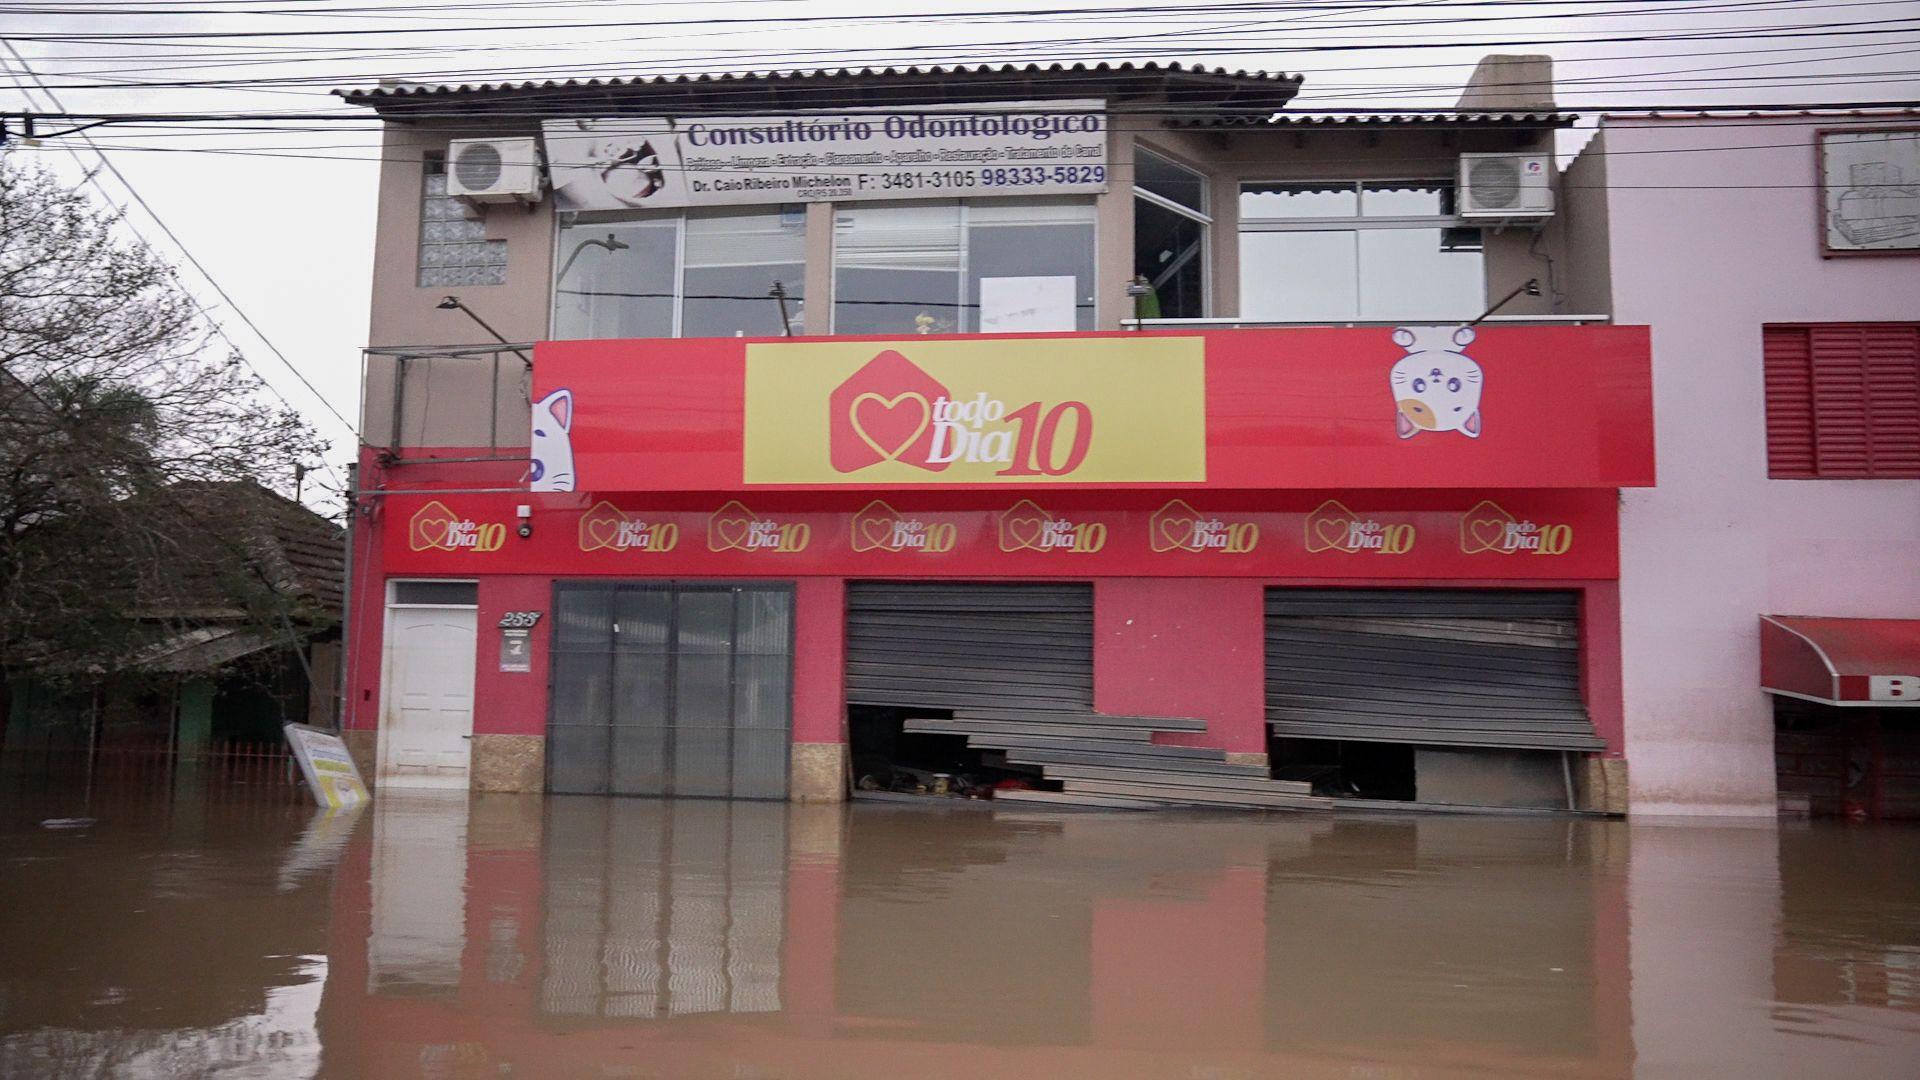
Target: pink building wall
<point>1707,262</point>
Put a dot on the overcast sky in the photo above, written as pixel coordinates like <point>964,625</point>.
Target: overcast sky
<point>282,215</point>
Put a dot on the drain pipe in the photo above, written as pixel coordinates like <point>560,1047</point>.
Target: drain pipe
<point>346,604</point>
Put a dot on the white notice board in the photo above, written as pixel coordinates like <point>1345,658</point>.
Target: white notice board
<point>330,772</point>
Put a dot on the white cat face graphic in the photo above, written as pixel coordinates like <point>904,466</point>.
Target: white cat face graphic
<point>1436,386</point>
<point>552,453</point>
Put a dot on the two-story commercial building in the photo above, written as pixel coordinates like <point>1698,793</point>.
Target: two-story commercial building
<point>1771,581</point>
<point>1096,433</point>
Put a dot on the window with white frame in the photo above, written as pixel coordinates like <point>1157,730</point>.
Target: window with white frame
<point>1357,250</point>
<point>953,267</point>
<point>625,274</point>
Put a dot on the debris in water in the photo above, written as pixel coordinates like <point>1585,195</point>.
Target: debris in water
<point>66,823</point>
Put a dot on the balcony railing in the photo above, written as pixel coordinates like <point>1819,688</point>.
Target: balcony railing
<point>1265,324</point>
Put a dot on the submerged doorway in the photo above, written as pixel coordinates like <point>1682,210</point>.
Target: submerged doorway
<point>671,688</point>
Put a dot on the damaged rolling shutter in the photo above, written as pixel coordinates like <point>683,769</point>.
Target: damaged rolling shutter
<point>1438,667</point>
<point>974,647</point>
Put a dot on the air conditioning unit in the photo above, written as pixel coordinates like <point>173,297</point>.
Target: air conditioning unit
<point>1505,186</point>
<point>494,170</point>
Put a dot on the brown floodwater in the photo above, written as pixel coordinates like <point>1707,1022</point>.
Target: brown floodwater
<point>584,937</point>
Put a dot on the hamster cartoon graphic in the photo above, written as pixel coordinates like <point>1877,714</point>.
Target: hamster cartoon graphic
<point>552,468</point>
<point>1436,386</point>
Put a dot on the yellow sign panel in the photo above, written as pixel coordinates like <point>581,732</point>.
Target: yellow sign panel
<point>985,411</point>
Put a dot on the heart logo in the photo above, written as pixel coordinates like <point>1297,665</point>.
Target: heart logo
<point>1176,532</point>
<point>1328,527</point>
<point>1483,527</point>
<point>1025,531</point>
<point>890,425</point>
<point>602,532</point>
<point>877,532</point>
<point>600,527</point>
<point>428,529</point>
<point>729,527</point>
<point>732,532</point>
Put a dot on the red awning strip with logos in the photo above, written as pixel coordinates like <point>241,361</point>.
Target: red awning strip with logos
<point>1841,661</point>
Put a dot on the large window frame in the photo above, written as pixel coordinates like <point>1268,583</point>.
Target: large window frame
<point>966,298</point>
<point>1201,215</point>
<point>1358,222</point>
<point>564,255</point>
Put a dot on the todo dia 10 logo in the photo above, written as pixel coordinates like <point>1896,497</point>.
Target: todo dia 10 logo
<point>1333,527</point>
<point>1026,527</point>
<point>1487,527</point>
<point>436,528</point>
<point>892,410</point>
<point>733,527</point>
<point>606,527</point>
<point>878,527</point>
<point>1179,527</point>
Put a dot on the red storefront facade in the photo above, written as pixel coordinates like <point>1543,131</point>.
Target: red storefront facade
<point>1187,478</point>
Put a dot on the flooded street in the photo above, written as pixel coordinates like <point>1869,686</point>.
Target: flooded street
<point>586,937</point>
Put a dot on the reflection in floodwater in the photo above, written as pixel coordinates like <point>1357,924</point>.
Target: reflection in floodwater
<point>520,936</point>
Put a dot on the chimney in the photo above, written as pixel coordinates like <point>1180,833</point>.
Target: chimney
<point>1505,83</point>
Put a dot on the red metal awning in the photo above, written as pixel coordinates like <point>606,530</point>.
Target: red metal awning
<point>1841,661</point>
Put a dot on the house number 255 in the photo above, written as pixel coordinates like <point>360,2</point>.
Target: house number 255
<point>519,620</point>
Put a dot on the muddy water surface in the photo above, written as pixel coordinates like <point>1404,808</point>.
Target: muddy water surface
<point>579,937</point>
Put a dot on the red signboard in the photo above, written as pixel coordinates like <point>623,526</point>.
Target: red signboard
<point>1311,409</point>
<point>1366,535</point>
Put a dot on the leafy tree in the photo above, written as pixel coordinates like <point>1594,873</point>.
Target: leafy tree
<point>116,408</point>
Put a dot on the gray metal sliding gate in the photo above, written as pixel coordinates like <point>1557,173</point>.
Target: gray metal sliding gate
<point>1445,667</point>
<point>1000,648</point>
<point>671,688</point>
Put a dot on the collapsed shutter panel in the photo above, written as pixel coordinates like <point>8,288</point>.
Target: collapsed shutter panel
<point>975,647</point>
<point>1436,667</point>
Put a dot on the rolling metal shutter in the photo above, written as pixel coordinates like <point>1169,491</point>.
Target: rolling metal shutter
<point>1439,667</point>
<point>974,647</point>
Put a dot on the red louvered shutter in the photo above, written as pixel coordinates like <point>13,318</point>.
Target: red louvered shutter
<point>1892,369</point>
<point>1843,400</point>
<point>1839,402</point>
<point>1789,374</point>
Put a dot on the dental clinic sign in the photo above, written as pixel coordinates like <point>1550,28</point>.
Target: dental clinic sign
<point>1088,410</point>
<point>1017,148</point>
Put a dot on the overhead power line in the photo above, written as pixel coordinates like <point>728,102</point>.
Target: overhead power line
<point>93,177</point>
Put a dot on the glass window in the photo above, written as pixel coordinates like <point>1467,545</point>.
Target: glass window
<point>1310,200</point>
<point>703,275</point>
<point>454,249</point>
<point>1299,276</point>
<point>446,593</point>
<point>1169,180</point>
<point>615,279</point>
<point>1374,250</point>
<point>909,268</point>
<point>732,262</point>
<point>896,269</point>
<point>1403,198</point>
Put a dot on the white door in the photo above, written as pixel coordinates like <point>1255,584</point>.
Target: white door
<point>426,734</point>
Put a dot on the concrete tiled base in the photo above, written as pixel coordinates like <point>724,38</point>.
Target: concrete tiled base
<point>363,744</point>
<point>819,772</point>
<point>509,762</point>
<point>1258,757</point>
<point>1603,785</point>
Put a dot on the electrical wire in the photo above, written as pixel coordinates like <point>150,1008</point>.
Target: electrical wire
<point>93,177</point>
